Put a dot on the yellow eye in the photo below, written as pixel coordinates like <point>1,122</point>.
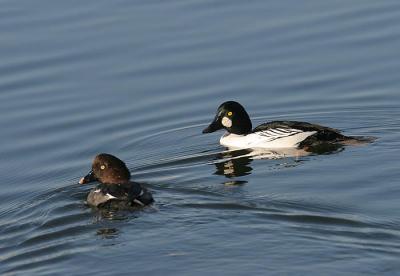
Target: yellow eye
<point>230,113</point>
<point>102,167</point>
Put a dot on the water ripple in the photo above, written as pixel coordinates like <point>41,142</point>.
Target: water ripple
<point>141,80</point>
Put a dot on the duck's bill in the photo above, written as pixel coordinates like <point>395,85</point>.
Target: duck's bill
<point>214,126</point>
<point>87,178</point>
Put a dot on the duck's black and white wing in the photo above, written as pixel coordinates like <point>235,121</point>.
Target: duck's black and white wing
<point>272,134</point>
<point>275,129</point>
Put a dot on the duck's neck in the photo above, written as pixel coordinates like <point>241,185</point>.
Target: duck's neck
<point>241,126</point>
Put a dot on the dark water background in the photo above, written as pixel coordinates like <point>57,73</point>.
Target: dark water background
<point>140,79</point>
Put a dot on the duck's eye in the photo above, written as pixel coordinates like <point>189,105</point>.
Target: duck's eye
<point>230,113</point>
<point>102,167</point>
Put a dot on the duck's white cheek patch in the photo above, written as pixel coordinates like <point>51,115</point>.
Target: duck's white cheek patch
<point>226,122</point>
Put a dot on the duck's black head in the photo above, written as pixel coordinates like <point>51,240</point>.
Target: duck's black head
<point>231,116</point>
<point>107,169</point>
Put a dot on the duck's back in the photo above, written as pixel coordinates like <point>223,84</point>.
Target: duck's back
<point>320,134</point>
<point>120,195</point>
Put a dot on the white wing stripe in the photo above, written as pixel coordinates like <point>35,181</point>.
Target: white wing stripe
<point>110,196</point>
<point>278,133</point>
<point>284,130</point>
<point>275,131</point>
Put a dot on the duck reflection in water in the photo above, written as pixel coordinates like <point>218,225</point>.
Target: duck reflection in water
<point>237,163</point>
<point>107,233</point>
<point>233,164</point>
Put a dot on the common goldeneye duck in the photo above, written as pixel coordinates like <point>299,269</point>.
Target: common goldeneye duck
<point>115,189</point>
<point>232,117</point>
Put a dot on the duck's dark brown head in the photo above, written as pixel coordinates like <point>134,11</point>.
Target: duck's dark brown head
<point>107,169</point>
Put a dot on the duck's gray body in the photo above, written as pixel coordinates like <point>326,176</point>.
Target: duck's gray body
<point>125,194</point>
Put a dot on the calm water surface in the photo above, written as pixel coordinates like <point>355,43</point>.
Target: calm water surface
<point>141,79</point>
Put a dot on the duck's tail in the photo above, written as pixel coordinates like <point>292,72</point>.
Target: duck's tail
<point>338,144</point>
<point>357,140</point>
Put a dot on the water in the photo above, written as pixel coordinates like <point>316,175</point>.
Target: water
<point>141,79</point>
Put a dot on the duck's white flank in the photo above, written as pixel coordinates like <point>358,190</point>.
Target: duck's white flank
<point>270,138</point>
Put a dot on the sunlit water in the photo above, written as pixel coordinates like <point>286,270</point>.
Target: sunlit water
<point>141,79</point>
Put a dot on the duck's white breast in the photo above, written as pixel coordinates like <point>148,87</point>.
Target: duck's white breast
<point>271,138</point>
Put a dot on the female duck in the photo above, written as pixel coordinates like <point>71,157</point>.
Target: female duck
<point>277,134</point>
<point>115,189</point>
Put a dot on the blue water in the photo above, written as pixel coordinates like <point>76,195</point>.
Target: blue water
<point>141,79</point>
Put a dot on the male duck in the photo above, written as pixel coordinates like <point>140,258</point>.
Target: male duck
<point>273,135</point>
<point>115,188</point>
